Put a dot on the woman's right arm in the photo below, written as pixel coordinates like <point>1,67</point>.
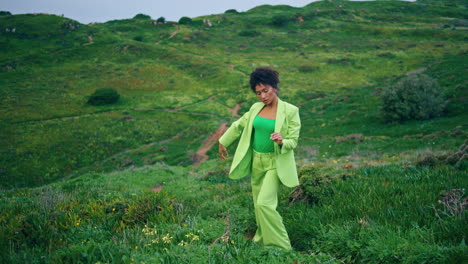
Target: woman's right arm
<point>234,131</point>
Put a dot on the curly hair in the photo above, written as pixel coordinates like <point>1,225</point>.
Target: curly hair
<point>264,75</point>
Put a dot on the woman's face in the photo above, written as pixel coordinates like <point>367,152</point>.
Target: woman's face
<point>266,93</point>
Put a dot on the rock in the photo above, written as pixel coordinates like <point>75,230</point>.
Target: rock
<point>207,22</point>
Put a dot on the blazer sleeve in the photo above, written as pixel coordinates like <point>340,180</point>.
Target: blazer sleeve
<point>294,127</point>
<point>235,130</point>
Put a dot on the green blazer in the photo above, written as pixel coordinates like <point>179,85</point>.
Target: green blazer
<point>287,124</point>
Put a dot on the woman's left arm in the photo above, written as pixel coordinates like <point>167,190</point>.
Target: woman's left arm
<point>294,127</point>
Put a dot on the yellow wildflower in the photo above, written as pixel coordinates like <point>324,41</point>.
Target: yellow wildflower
<point>183,243</point>
<point>167,239</point>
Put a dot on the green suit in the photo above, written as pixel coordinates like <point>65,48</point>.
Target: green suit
<point>287,124</point>
<point>267,169</point>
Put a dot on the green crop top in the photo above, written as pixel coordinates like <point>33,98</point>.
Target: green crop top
<point>263,128</point>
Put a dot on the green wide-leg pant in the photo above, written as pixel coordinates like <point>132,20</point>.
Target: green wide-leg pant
<point>265,184</point>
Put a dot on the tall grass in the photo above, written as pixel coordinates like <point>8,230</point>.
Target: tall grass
<point>382,214</point>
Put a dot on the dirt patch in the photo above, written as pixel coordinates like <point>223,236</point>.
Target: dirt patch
<point>454,159</point>
<point>341,99</point>
<point>91,41</point>
<point>235,110</point>
<point>436,134</point>
<point>158,188</point>
<point>175,32</point>
<point>200,156</point>
<point>418,71</point>
<point>356,137</point>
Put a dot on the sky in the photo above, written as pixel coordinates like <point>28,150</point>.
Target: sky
<point>87,11</point>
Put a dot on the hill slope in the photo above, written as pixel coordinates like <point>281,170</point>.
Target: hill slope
<point>115,183</point>
<point>334,50</point>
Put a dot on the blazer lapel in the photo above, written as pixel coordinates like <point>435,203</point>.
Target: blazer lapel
<point>254,114</point>
<point>247,139</point>
<point>280,115</point>
<point>242,158</point>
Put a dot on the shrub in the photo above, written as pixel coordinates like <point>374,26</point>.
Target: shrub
<point>161,20</point>
<point>218,174</point>
<point>141,16</point>
<point>5,13</point>
<point>314,186</point>
<point>413,97</point>
<point>104,96</point>
<point>185,20</point>
<point>280,21</point>
<point>231,11</point>
<point>249,33</point>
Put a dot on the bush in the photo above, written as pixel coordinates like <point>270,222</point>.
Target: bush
<point>413,97</point>
<point>314,186</point>
<point>231,11</point>
<point>185,20</point>
<point>104,96</point>
<point>5,13</point>
<point>141,16</point>
<point>138,38</point>
<point>280,21</point>
<point>161,20</point>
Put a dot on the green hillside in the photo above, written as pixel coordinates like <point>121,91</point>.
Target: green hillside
<point>90,170</point>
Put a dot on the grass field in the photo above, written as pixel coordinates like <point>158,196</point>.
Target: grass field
<point>114,184</point>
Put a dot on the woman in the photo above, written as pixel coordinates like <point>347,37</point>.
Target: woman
<point>268,135</point>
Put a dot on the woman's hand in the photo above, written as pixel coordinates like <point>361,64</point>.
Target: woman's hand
<point>276,137</point>
<point>222,151</point>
